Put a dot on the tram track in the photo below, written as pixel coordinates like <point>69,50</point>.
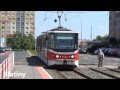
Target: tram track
<point>115,70</point>
<point>85,72</point>
<point>78,73</point>
<point>60,74</point>
<point>72,74</point>
<point>107,72</point>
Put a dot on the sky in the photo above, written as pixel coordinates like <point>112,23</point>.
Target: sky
<point>99,20</point>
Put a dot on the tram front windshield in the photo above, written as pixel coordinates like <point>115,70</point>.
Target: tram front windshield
<point>65,41</point>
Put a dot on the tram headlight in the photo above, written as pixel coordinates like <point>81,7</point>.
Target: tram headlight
<point>72,56</point>
<point>57,56</point>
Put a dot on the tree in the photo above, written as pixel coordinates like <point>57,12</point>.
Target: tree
<point>19,42</point>
<point>104,38</point>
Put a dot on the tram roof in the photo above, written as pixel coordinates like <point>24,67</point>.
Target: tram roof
<point>60,30</point>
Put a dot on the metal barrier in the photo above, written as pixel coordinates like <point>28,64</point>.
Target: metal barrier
<point>7,66</point>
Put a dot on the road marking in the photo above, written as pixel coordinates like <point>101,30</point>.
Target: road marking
<point>85,58</point>
<point>43,73</point>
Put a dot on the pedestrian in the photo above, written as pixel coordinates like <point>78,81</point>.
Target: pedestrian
<point>100,58</point>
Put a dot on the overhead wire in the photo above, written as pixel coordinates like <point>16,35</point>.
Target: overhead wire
<point>46,18</point>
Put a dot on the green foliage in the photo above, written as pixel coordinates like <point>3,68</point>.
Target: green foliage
<point>21,42</point>
<point>104,38</point>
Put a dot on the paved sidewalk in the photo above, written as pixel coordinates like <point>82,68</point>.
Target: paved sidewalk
<point>28,67</point>
<point>30,72</point>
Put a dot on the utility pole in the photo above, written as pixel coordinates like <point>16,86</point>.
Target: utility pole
<point>81,29</point>
<point>91,33</point>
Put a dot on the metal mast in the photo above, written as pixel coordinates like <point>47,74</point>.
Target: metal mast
<point>59,13</point>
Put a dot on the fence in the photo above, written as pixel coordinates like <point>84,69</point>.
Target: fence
<point>7,66</point>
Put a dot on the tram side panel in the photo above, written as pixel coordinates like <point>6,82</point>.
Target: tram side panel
<point>42,48</point>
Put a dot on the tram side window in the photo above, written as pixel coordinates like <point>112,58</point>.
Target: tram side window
<point>51,41</point>
<point>44,42</point>
<point>76,40</point>
<point>40,43</point>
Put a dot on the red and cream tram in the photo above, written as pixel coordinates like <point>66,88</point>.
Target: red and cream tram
<point>58,46</point>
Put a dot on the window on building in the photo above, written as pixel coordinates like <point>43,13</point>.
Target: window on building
<point>3,22</point>
<point>27,28</point>
<point>9,19</point>
<point>31,19</point>
<point>32,23</point>
<point>27,18</point>
<point>8,27</point>
<point>13,32</point>
<point>22,27</point>
<point>3,27</point>
<point>18,28</point>
<point>27,23</point>
<point>13,27</point>
<point>27,32</point>
<point>18,19</point>
<point>32,14</point>
<point>13,18</point>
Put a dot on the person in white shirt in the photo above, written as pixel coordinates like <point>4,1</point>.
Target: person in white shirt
<point>100,58</point>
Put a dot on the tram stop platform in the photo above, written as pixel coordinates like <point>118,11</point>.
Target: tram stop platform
<point>29,68</point>
<point>29,72</point>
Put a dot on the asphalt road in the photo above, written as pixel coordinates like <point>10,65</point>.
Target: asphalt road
<point>21,57</point>
<point>93,59</point>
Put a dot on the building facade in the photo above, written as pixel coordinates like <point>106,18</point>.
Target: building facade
<point>12,22</point>
<point>114,24</point>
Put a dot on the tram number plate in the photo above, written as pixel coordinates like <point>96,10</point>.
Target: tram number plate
<point>64,56</point>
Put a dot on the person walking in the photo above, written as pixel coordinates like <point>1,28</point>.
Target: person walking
<point>100,58</point>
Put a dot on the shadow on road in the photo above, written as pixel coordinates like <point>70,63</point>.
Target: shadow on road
<point>35,61</point>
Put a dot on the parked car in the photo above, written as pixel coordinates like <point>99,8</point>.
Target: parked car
<point>83,50</point>
<point>7,48</point>
<point>96,51</point>
<point>2,49</point>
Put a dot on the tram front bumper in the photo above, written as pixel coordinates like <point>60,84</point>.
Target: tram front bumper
<point>63,62</point>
